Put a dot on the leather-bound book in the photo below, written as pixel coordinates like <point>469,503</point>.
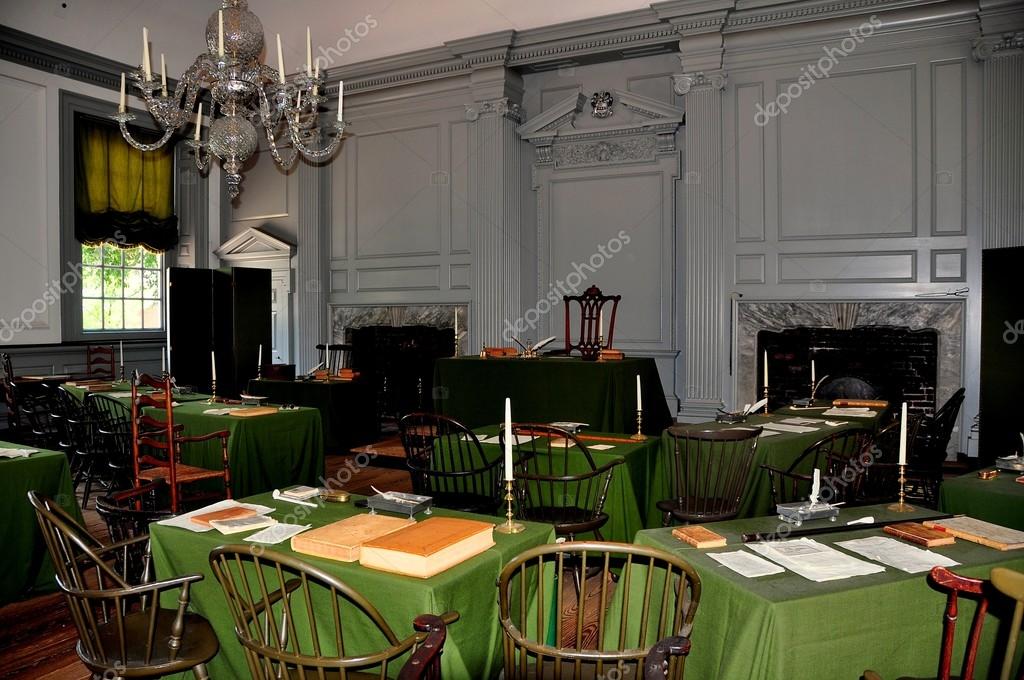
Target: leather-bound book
<point>226,513</point>
<point>342,540</point>
<point>428,547</point>
<point>920,534</point>
<point>698,536</point>
<point>977,531</point>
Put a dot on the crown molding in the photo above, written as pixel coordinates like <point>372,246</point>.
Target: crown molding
<point>45,55</point>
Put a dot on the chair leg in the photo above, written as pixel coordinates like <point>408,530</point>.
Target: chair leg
<point>200,672</point>
<point>666,519</point>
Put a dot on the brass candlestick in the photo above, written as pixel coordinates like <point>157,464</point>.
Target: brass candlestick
<point>766,400</point>
<point>639,436</point>
<point>458,346</point>
<point>122,372</point>
<point>510,526</point>
<point>902,506</point>
<point>213,392</point>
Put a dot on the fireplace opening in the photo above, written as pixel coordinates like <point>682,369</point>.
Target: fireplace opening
<point>893,363</point>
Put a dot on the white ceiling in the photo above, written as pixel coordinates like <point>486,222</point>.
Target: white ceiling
<point>113,28</point>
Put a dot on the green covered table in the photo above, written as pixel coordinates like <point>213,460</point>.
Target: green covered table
<point>599,393</point>
<point>786,626</point>
<point>473,647</point>
<point>999,500</point>
<point>347,408</point>
<point>26,566</point>
<point>629,495</point>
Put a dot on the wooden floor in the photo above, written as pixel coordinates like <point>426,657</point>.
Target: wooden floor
<point>37,638</point>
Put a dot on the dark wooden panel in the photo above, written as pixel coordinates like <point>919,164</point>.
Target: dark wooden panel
<point>1002,353</point>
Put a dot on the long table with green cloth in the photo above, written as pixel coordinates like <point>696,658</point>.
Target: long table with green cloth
<point>26,566</point>
<point>599,393</point>
<point>778,450</point>
<point>264,452</point>
<point>999,500</point>
<point>630,492</point>
<point>347,408</point>
<point>786,626</point>
<point>473,646</point>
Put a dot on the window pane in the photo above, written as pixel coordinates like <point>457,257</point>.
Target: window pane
<point>133,313</point>
<point>92,282</point>
<point>151,284</point>
<point>113,314</point>
<point>150,260</point>
<point>90,254</point>
<point>113,282</point>
<point>92,315</point>
<point>111,256</point>
<point>133,257</point>
<point>151,313</point>
<point>132,283</point>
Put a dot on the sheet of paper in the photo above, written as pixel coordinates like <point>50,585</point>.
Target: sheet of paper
<point>119,395</point>
<point>220,411</point>
<point>782,427</point>
<point>895,553</point>
<point>801,421</point>
<point>16,453</point>
<point>767,433</point>
<point>814,561</point>
<point>277,533</point>
<point>497,440</point>
<point>850,412</point>
<point>745,564</point>
<point>599,447</point>
<point>184,521</point>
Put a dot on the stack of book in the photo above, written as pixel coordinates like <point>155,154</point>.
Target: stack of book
<point>343,540</point>
<point>428,547</point>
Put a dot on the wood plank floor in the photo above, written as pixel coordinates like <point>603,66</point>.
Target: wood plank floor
<point>37,637</point>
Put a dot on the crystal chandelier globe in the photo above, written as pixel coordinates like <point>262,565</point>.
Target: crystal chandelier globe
<point>246,95</point>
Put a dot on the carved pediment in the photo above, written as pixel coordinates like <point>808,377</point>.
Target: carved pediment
<point>254,244</point>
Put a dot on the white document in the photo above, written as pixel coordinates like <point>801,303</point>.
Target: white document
<point>497,440</point>
<point>782,427</point>
<point>801,421</point>
<point>600,447</point>
<point>745,564</point>
<point>850,412</point>
<point>898,554</point>
<point>277,533</point>
<point>119,395</point>
<point>184,521</point>
<point>814,561</point>
<point>16,453</point>
<point>219,411</point>
<point>767,433</point>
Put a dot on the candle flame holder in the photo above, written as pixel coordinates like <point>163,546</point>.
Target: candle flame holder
<point>213,392</point>
<point>766,400</point>
<point>901,505</point>
<point>510,526</point>
<point>639,436</point>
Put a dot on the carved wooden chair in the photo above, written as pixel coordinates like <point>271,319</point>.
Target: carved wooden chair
<point>588,339</point>
<point>557,481</point>
<point>128,514</point>
<point>157,445</point>
<point>955,587</point>
<point>660,658</point>
<point>929,449</point>
<point>446,461</point>
<point>839,457</point>
<point>880,483</point>
<point>334,357</point>
<point>123,632</point>
<point>599,627</point>
<point>709,470</point>
<point>284,634</point>
<point>99,361</point>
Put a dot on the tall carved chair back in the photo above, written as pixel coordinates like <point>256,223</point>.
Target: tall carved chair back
<point>589,338</point>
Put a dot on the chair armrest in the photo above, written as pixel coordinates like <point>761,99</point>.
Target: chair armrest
<point>222,434</point>
<point>428,654</point>
<point>657,659</point>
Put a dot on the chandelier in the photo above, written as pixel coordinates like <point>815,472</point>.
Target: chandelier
<point>244,91</point>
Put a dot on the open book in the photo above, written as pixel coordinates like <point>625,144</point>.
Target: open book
<point>429,547</point>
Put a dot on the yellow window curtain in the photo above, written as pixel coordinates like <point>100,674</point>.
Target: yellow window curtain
<point>123,196</point>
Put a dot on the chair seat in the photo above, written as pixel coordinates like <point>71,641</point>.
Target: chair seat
<point>567,520</point>
<point>186,473</point>
<point>199,645</point>
<point>676,509</point>
<point>464,502</point>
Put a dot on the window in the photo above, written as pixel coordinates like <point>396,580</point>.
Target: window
<point>121,289</point>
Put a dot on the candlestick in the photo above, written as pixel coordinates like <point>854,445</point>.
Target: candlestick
<point>309,53</point>
<point>509,527</point>
<point>145,54</point>
<point>903,435</point>
<point>163,75</point>
<point>280,60</point>
<point>813,378</point>
<point>213,392</point>
<point>163,361</point>
<point>121,104</point>
<point>639,436</point>
<point>600,329</point>
<point>220,33</point>
<point>199,122</point>
<point>639,395</point>
<point>213,365</point>
<point>901,505</point>
<point>457,331</point>
<point>341,99</point>
<point>120,346</point>
<point>766,369</point>
<point>508,439</point>
<point>766,399</point>
<point>259,361</point>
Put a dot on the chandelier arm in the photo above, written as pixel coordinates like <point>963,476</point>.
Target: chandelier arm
<point>316,154</point>
<point>268,127</point>
<point>139,145</point>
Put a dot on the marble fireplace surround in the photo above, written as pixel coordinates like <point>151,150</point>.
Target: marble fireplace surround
<point>944,315</point>
<point>344,317</point>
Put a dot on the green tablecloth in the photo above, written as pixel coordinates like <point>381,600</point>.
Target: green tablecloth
<point>347,408</point>
<point>629,495</point>
<point>785,626</point>
<point>999,500</point>
<point>473,647</point>
<point>123,391</point>
<point>778,450</point>
<point>602,394</point>
<point>26,565</point>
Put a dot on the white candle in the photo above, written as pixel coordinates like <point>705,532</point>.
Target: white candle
<point>121,104</point>
<point>903,435</point>
<point>120,346</point>
<point>813,380</point>
<point>145,54</point>
<point>766,368</point>
<point>341,98</point>
<point>220,33</point>
<point>280,59</point>
<point>309,54</point>
<point>259,359</point>
<point>298,102</point>
<point>508,439</point>
<point>213,365</point>
<point>600,324</point>
<point>639,397</point>
<point>163,74</point>
<point>456,323</point>
<point>163,361</point>
<point>815,486</point>
<point>199,121</point>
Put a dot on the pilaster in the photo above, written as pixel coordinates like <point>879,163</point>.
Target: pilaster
<point>312,290</point>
